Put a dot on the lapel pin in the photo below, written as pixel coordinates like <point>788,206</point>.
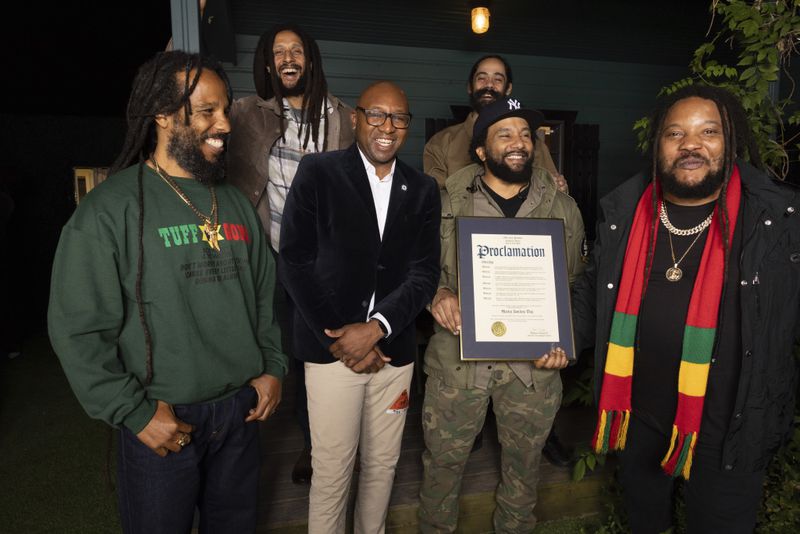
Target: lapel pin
<point>403,187</point>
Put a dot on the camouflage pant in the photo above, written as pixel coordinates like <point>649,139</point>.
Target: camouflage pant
<point>451,419</point>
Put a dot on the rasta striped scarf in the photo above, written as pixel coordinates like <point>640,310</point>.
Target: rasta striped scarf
<point>698,335</point>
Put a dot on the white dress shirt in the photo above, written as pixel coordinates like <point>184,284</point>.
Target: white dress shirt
<point>381,191</point>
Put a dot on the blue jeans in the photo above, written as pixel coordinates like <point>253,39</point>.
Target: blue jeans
<point>217,473</point>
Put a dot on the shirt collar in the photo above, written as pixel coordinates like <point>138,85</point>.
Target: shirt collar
<point>290,113</point>
<point>370,168</point>
<point>535,192</point>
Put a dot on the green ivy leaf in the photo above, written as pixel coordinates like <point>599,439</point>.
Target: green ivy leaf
<point>703,49</point>
<point>746,60</point>
<point>579,471</point>
<point>591,462</point>
<point>747,74</point>
<point>772,55</point>
<point>749,27</point>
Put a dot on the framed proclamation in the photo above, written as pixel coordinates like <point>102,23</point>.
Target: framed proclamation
<point>513,288</point>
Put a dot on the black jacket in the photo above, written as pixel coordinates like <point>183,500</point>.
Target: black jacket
<point>770,303</point>
<point>332,258</point>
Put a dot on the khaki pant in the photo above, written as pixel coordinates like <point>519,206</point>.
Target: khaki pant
<point>348,412</point>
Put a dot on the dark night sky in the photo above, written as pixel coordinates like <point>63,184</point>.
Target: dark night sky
<point>68,60</point>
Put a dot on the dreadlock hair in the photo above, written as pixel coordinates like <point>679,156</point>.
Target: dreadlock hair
<point>268,84</point>
<point>158,89</point>
<point>738,142</point>
<point>474,69</point>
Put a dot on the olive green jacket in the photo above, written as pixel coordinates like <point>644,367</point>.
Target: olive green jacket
<point>464,196</point>
<point>448,151</point>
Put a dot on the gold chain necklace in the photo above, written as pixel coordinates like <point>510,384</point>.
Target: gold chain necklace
<point>679,231</point>
<point>675,273</point>
<point>210,227</point>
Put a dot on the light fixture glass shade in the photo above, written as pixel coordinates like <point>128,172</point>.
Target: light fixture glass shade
<point>480,19</point>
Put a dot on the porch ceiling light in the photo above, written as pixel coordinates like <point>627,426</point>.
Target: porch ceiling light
<point>480,19</point>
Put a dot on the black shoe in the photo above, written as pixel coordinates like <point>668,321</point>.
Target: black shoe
<point>555,451</point>
<point>301,474</point>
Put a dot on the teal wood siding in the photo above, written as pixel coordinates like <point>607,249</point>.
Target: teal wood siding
<point>610,94</point>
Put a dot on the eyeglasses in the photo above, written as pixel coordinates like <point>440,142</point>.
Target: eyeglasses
<point>376,117</point>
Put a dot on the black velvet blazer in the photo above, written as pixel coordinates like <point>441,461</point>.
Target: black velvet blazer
<point>332,258</point>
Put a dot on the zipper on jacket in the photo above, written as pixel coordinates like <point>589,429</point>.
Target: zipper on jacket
<point>757,282</point>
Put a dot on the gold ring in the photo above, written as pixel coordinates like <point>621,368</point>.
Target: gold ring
<point>183,440</point>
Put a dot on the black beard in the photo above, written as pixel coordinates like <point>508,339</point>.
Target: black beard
<point>703,189</point>
<point>184,148</point>
<point>475,98</point>
<point>298,89</point>
<point>501,170</point>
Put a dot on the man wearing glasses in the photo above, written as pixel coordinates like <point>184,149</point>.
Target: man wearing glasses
<point>359,255</point>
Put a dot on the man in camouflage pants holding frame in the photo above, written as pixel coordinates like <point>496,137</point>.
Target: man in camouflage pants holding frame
<point>525,396</point>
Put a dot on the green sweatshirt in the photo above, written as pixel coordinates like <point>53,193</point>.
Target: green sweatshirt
<point>209,313</point>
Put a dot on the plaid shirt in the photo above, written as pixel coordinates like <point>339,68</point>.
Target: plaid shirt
<point>284,158</point>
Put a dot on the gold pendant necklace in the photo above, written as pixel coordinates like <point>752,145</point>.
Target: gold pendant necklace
<point>675,273</point>
<point>211,226</point>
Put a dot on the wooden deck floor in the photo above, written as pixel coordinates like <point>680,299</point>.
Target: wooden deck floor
<point>285,505</point>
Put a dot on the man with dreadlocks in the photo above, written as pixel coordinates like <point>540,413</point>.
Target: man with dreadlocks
<point>691,300</point>
<point>490,79</point>
<point>292,115</point>
<point>161,309</point>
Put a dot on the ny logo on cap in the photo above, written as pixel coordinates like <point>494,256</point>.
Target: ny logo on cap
<point>513,103</point>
